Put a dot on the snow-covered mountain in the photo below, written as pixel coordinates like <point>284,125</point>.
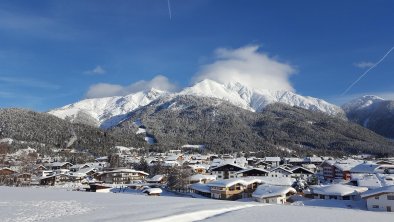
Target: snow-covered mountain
<point>106,112</point>
<point>100,110</point>
<point>257,99</point>
<point>373,113</point>
<point>361,103</point>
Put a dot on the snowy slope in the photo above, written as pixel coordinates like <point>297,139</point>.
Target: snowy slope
<point>109,111</point>
<point>103,109</point>
<point>373,113</point>
<point>360,103</point>
<point>44,204</point>
<point>257,99</point>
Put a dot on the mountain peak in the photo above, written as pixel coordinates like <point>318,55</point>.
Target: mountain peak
<point>104,110</point>
<point>362,102</point>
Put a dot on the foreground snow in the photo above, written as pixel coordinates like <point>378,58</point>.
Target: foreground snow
<point>42,204</point>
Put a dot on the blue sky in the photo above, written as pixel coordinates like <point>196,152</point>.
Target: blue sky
<point>53,52</point>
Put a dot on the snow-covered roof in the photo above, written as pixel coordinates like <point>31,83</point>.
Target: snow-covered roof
<point>199,177</point>
<point>264,191</point>
<point>367,167</point>
<point>281,168</point>
<point>188,146</point>
<point>378,191</point>
<point>280,181</point>
<point>59,164</point>
<point>126,171</point>
<point>198,166</point>
<point>369,181</point>
<point>337,189</point>
<point>156,178</point>
<point>172,158</point>
<point>201,187</point>
<point>249,169</point>
<point>231,164</point>
<point>295,160</point>
<point>231,182</point>
<point>302,168</point>
<point>315,159</point>
<point>309,166</point>
<point>153,191</point>
<point>86,170</point>
<point>272,159</point>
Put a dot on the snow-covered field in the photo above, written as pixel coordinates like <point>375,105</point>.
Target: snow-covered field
<point>43,204</point>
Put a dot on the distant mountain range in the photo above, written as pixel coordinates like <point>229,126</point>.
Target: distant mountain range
<point>219,117</point>
<point>107,112</point>
<point>373,113</point>
<point>223,127</point>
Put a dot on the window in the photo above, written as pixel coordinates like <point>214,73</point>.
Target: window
<point>375,206</point>
<point>390,197</point>
<point>377,197</point>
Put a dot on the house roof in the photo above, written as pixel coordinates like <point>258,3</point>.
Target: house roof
<point>7,168</point>
<point>367,167</point>
<point>201,187</point>
<point>126,171</point>
<point>153,191</point>
<point>264,191</point>
<point>272,159</point>
<point>337,189</point>
<point>378,191</point>
<point>156,178</point>
<point>296,160</point>
<point>315,159</point>
<point>281,168</point>
<point>231,182</point>
<point>172,158</point>
<point>59,164</point>
<point>202,177</point>
<point>250,169</point>
<point>301,168</point>
<point>369,181</point>
<point>237,168</point>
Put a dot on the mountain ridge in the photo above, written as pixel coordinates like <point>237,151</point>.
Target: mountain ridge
<point>372,112</point>
<point>108,111</point>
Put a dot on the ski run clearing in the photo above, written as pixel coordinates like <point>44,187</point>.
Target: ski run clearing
<point>51,204</point>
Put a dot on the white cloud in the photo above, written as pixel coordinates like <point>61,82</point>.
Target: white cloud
<point>98,70</point>
<point>363,65</point>
<point>104,89</point>
<point>248,66</point>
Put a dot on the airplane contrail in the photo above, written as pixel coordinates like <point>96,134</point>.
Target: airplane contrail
<point>169,8</point>
<point>365,73</point>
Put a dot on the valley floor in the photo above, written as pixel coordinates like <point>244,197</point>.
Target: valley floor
<point>48,204</point>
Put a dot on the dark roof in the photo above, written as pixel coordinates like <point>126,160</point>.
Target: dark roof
<point>228,167</point>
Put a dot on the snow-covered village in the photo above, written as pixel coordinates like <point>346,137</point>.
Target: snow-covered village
<point>196,110</point>
<point>354,183</point>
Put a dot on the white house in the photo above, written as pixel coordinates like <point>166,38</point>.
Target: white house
<point>201,178</point>
<point>380,199</point>
<point>226,171</point>
<point>272,194</point>
<point>280,172</point>
<point>273,161</point>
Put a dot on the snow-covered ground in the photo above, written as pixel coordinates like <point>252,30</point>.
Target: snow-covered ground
<point>43,204</point>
